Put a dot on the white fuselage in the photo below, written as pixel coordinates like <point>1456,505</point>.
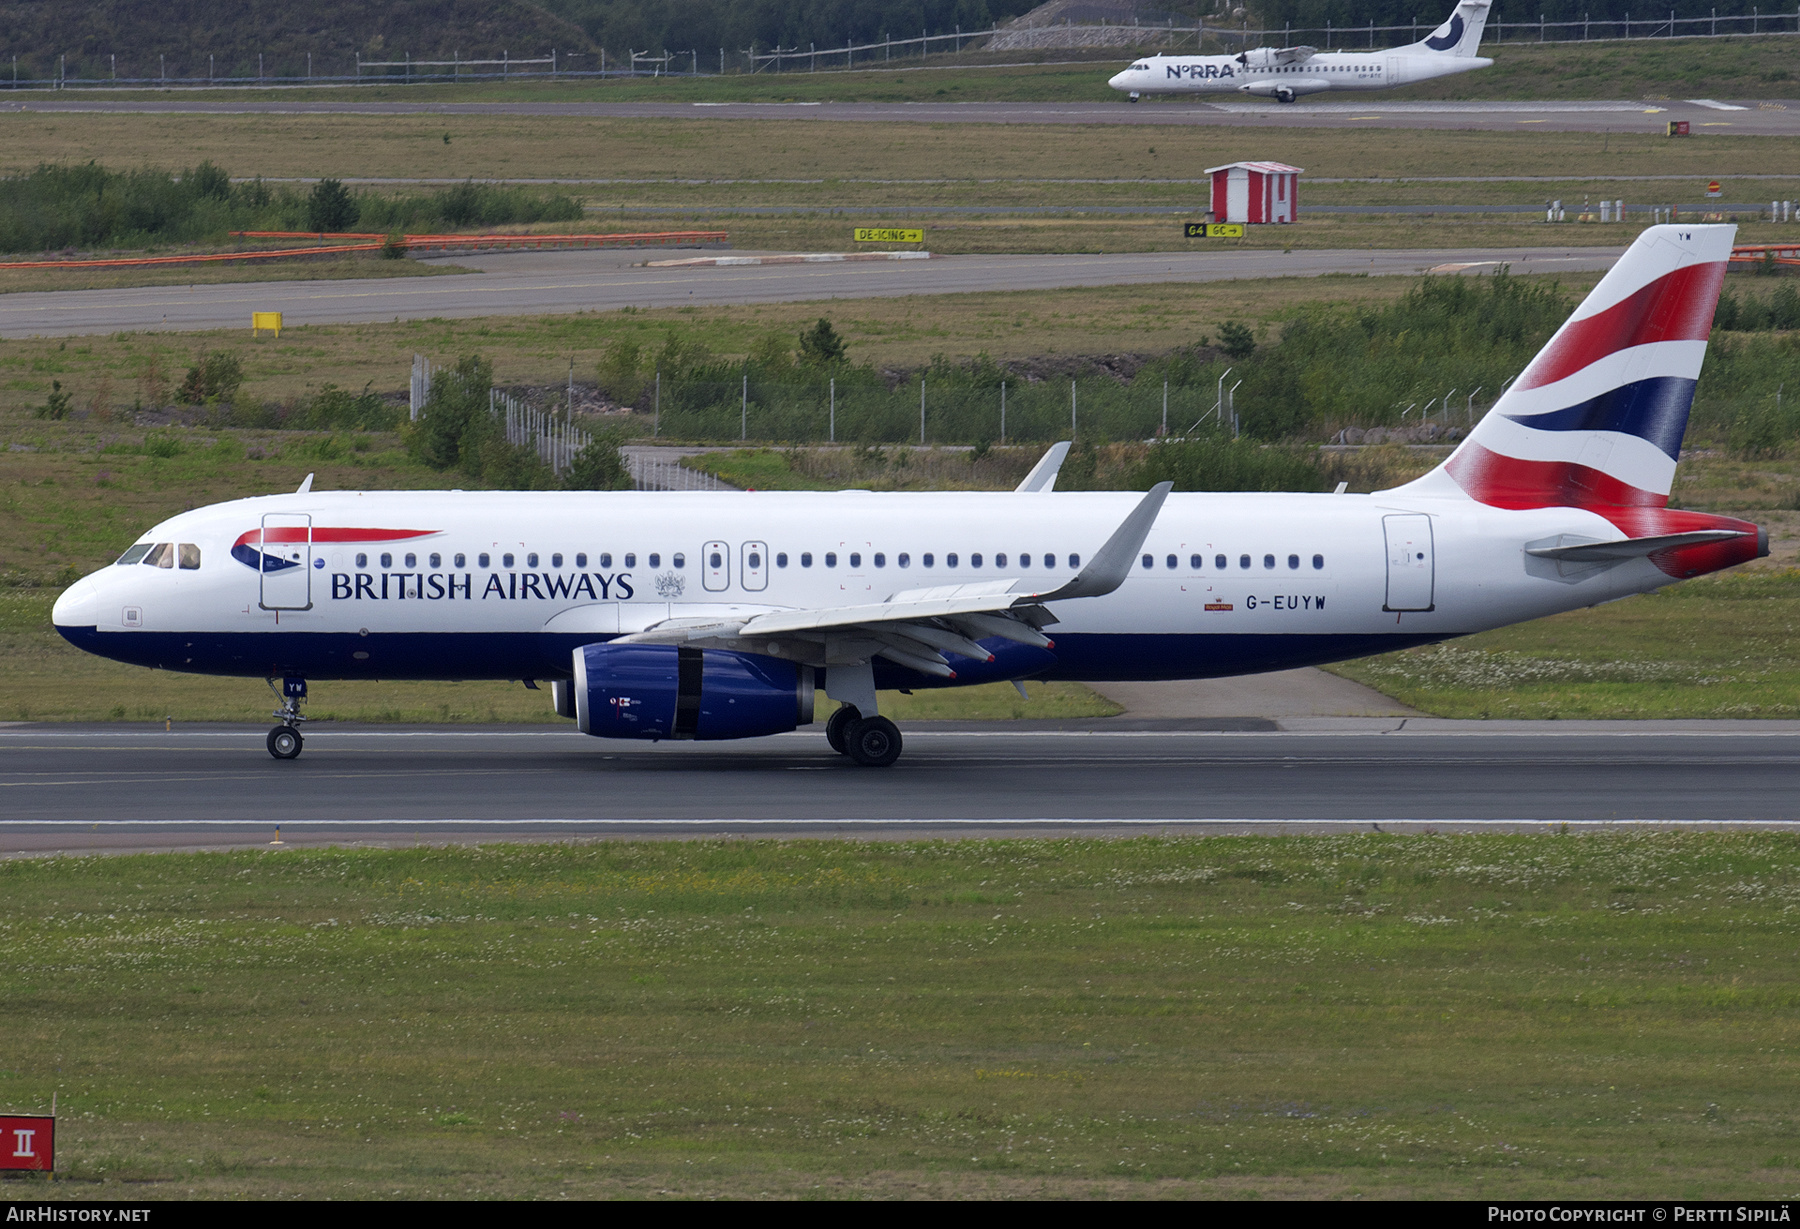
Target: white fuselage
<point>507,584</point>
<point>1335,70</point>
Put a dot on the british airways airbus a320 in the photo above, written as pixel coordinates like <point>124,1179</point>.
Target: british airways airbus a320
<point>1285,73</point>
<point>720,614</point>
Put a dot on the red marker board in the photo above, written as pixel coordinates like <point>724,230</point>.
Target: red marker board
<point>27,1142</point>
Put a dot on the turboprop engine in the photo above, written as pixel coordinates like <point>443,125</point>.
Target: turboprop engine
<point>661,691</point>
<point>1275,57</point>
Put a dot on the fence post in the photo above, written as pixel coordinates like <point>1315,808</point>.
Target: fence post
<point>744,420</point>
<point>831,435</point>
<point>1165,429</point>
<point>1071,408</point>
<point>656,411</point>
<point>921,409</point>
<point>1003,413</point>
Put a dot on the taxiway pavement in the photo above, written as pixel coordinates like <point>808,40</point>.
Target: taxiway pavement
<point>102,788</point>
<point>1755,117</point>
<point>534,283</point>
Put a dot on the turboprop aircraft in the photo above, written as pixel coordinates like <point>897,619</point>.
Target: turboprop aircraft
<point>1285,73</point>
<point>716,615</point>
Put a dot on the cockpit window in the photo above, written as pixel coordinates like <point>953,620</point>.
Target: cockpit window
<point>190,556</point>
<point>1138,68</point>
<point>135,554</point>
<point>162,555</point>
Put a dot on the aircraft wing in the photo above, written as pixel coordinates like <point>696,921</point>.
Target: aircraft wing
<point>917,627</point>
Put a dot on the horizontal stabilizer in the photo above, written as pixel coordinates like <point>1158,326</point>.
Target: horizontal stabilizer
<point>1627,548</point>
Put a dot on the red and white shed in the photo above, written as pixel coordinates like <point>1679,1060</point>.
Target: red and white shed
<point>1255,192</point>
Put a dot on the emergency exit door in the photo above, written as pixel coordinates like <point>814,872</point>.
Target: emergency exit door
<point>285,561</point>
<point>715,567</point>
<point>1411,567</point>
<point>753,572</point>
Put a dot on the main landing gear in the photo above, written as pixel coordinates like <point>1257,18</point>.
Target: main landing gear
<point>873,742</point>
<point>285,742</point>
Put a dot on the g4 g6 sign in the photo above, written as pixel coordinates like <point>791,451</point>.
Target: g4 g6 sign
<point>27,1142</point>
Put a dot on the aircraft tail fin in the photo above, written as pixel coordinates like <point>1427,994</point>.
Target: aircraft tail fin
<point>1460,35</point>
<point>1597,418</point>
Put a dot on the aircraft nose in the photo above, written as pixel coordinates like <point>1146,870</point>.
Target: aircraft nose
<point>79,605</point>
<point>1118,81</point>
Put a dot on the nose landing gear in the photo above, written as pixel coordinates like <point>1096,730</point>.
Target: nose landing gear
<point>285,742</point>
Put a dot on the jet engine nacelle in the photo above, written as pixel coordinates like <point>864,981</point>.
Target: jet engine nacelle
<point>661,691</point>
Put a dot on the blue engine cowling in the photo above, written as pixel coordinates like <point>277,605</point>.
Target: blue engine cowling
<point>667,691</point>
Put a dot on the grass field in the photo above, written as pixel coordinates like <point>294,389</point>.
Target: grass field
<point>111,369</point>
<point>1747,67</point>
<point>1578,1016</point>
<point>582,149</point>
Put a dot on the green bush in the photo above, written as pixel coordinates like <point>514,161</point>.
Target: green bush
<point>56,405</point>
<point>331,207</point>
<point>214,377</point>
<point>599,467</point>
<point>1221,464</point>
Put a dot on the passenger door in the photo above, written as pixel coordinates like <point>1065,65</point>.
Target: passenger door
<point>715,567</point>
<point>286,568</point>
<point>1411,567</point>
<point>753,572</point>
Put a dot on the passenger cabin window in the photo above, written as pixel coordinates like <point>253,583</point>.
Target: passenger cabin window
<point>715,560</point>
<point>412,560</point>
<point>856,559</point>
<point>806,559</point>
<point>755,560</point>
<point>830,559</point>
<point>135,554</point>
<point>975,560</point>
<point>1268,561</point>
<point>481,560</point>
<point>781,559</point>
<point>903,559</point>
<point>924,560</point>
<point>1219,562</point>
<point>1169,563</point>
<point>1000,560</point>
<point>1196,562</point>
<point>162,555</point>
<point>190,556</point>
<point>387,560</point>
<point>1074,561</point>
<point>605,559</point>
<point>437,560</point>
<point>1318,563</point>
<point>630,559</point>
<point>556,560</point>
<point>950,560</point>
<point>880,560</point>
<point>530,559</point>
<point>1293,563</point>
<point>1149,561</point>
<point>680,560</point>
<point>580,559</point>
<point>506,560</point>
<point>655,560</point>
<point>461,560</point>
<point>1243,561</point>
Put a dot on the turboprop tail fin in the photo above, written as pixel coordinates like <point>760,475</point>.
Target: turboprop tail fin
<point>1460,35</point>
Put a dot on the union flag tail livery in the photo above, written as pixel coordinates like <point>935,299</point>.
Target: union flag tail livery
<point>720,614</point>
<point>1597,418</point>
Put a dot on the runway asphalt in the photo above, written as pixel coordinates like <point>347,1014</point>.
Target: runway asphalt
<point>533,283</point>
<point>1759,117</point>
<point>110,788</point>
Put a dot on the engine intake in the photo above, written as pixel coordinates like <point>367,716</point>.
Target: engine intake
<point>659,691</point>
